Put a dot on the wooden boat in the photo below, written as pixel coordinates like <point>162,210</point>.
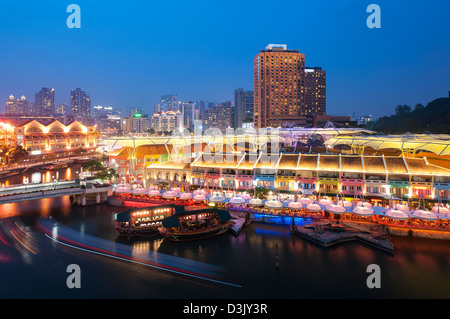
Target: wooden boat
<point>143,221</point>
<point>195,224</point>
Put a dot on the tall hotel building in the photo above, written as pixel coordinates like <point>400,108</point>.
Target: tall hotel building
<point>282,93</point>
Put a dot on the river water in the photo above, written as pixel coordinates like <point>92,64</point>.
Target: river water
<point>35,267</point>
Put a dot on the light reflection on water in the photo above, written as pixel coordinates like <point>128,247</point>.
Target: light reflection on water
<point>41,175</point>
<point>418,268</point>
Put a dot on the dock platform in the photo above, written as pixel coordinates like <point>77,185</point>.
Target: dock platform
<point>329,238</point>
<point>239,221</point>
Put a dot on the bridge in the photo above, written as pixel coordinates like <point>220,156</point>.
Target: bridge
<point>80,194</point>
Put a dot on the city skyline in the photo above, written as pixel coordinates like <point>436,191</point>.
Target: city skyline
<point>137,61</point>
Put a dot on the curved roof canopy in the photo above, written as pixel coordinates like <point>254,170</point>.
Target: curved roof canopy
<point>438,144</point>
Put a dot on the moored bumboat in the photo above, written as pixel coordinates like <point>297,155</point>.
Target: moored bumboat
<point>143,221</point>
<point>195,224</point>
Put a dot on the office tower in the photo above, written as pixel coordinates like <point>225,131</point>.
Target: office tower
<point>17,107</point>
<point>243,107</point>
<point>201,105</point>
<point>314,91</point>
<point>45,102</point>
<point>187,109</point>
<point>80,103</point>
<point>167,103</point>
<point>219,116</point>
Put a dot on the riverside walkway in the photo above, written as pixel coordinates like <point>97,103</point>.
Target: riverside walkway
<point>79,193</point>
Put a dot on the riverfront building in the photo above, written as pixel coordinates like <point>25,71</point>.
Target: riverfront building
<point>52,137</point>
<point>375,177</point>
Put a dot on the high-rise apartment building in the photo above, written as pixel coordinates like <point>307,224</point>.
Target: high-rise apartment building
<point>167,121</point>
<point>279,88</point>
<point>137,123</point>
<point>187,109</point>
<point>314,91</point>
<point>80,103</point>
<point>45,102</point>
<point>167,103</point>
<point>219,116</point>
<point>17,107</point>
<point>243,107</point>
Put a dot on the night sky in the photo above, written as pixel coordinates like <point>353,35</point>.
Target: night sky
<point>129,53</point>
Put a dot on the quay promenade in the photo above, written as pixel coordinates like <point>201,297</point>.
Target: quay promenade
<point>395,221</point>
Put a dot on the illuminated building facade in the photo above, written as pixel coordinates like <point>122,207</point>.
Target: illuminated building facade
<point>285,92</point>
<point>38,138</point>
<point>44,104</point>
<point>136,123</point>
<point>17,106</point>
<point>219,117</point>
<point>80,103</point>
<point>374,177</point>
<point>167,121</point>
<point>314,91</point>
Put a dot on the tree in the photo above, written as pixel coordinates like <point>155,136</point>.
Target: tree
<point>92,166</point>
<point>106,173</point>
<point>402,109</point>
<point>18,154</point>
<point>261,192</point>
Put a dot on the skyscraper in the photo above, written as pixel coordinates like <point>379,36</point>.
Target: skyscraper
<point>167,103</point>
<point>80,103</point>
<point>219,116</point>
<point>279,88</point>
<point>243,107</point>
<point>17,107</point>
<point>187,109</point>
<point>45,102</point>
<point>315,91</point>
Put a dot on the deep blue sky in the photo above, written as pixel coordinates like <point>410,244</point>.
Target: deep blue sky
<point>129,53</point>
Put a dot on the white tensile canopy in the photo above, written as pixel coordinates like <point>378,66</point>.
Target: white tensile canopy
<point>255,202</point>
<point>336,209</point>
<point>314,207</point>
<point>440,209</point>
<point>123,188</point>
<point>397,214</point>
<point>365,204</point>
<point>345,203</point>
<point>153,193</point>
<point>424,214</point>
<point>245,196</point>
<point>170,194</point>
<point>325,201</point>
<point>216,197</point>
<point>363,210</point>
<point>236,200</point>
<point>139,191</point>
<point>273,204</point>
<point>305,200</point>
<point>199,197</point>
<point>402,207</point>
<point>295,205</point>
<point>186,195</point>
